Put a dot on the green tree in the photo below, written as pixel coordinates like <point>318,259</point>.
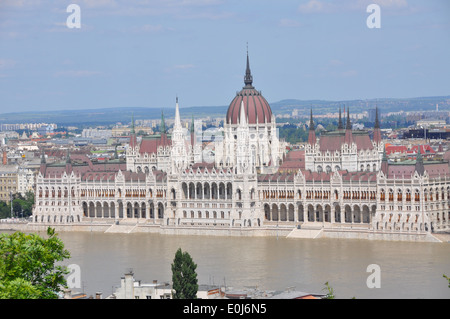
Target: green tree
<point>28,267</point>
<point>5,210</point>
<point>184,277</point>
<point>448,279</point>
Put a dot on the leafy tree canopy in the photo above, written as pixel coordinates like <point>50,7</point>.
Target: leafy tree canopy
<point>28,267</point>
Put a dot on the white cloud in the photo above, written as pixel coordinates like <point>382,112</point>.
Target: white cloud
<point>312,6</point>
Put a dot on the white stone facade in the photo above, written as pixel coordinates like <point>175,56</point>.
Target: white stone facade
<point>345,184</point>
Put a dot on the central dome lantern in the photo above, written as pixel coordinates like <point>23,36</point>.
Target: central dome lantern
<point>257,109</point>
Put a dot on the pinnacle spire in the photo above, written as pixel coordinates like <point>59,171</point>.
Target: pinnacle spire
<point>242,119</point>
<point>311,122</point>
<point>132,123</point>
<point>248,79</point>
<point>177,123</point>
<point>419,162</point>
<point>312,133</point>
<point>377,123</point>
<point>340,125</point>
<point>349,124</point>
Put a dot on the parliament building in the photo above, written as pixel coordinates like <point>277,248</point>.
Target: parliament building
<point>245,181</point>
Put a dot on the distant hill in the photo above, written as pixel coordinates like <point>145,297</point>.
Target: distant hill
<point>105,116</point>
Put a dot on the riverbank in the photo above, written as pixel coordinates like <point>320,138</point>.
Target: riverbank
<point>305,232</point>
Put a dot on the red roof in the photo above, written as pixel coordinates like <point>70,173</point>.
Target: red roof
<point>332,142</point>
<point>424,149</point>
<point>151,145</point>
<point>255,106</point>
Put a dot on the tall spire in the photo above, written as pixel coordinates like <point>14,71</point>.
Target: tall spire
<point>192,124</point>
<point>312,133</point>
<point>242,119</point>
<point>177,124</point>
<point>248,79</point>
<point>340,125</point>
<point>311,122</point>
<point>133,139</point>
<point>348,139</point>
<point>377,123</point>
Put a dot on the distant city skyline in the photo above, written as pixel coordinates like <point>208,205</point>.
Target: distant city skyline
<point>141,53</point>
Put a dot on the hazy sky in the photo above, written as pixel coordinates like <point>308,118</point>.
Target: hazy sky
<point>143,53</point>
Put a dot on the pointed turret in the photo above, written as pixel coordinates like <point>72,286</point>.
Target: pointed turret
<point>348,130</point>
<point>312,133</point>
<point>340,125</point>
<point>419,162</point>
<point>242,120</point>
<point>177,124</point>
<point>248,79</point>
<point>376,128</point>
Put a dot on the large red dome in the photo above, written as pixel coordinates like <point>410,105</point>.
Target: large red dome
<point>256,108</point>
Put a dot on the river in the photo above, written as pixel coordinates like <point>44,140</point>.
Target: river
<point>407,269</point>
